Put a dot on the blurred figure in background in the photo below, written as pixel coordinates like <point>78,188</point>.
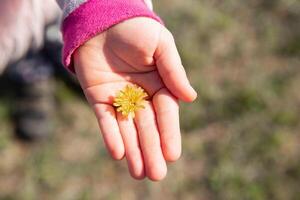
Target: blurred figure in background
<point>25,26</point>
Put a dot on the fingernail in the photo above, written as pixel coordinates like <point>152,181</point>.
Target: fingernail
<point>194,93</point>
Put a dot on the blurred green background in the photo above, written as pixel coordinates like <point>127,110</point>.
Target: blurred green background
<point>241,138</point>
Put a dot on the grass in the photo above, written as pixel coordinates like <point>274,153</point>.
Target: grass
<point>241,138</point>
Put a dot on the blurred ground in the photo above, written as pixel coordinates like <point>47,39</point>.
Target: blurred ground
<point>241,137</point>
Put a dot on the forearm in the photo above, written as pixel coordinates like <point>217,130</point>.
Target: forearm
<point>69,6</point>
<point>84,19</point>
<point>30,18</point>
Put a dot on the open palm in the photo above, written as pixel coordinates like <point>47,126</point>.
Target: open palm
<point>138,51</point>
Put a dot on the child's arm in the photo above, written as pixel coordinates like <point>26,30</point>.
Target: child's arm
<point>126,44</point>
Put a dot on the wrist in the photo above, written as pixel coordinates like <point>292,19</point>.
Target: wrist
<point>94,17</point>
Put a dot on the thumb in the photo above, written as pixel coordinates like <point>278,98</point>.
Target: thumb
<point>170,68</point>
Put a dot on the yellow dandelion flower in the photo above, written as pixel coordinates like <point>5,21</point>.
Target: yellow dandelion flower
<point>130,99</point>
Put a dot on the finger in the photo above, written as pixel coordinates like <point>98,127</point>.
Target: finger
<point>171,70</point>
<point>110,130</point>
<point>167,115</point>
<point>132,150</point>
<point>155,164</point>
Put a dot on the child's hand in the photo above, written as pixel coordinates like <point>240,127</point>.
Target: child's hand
<point>143,52</point>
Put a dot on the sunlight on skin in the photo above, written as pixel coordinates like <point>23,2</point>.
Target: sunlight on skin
<point>146,56</point>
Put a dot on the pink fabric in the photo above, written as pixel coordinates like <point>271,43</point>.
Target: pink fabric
<point>94,17</point>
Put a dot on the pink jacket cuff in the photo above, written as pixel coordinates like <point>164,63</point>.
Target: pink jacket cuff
<point>94,17</point>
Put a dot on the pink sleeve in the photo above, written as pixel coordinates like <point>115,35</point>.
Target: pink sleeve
<point>94,17</point>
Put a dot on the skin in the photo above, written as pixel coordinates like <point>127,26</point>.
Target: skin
<point>143,52</point>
